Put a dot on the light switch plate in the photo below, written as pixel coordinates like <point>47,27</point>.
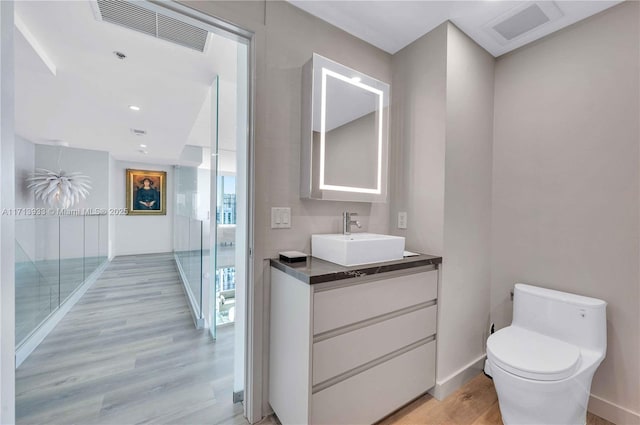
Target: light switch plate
<point>280,218</point>
<point>402,220</point>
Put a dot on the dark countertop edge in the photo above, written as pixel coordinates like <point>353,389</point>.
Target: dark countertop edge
<point>330,272</point>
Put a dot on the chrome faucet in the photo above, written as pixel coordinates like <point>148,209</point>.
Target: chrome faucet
<point>347,222</point>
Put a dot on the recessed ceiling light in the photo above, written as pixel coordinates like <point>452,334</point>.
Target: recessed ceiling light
<point>143,146</point>
<point>134,107</point>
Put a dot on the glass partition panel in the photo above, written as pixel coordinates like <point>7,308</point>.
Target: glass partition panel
<point>188,233</point>
<point>91,244</point>
<point>186,191</point>
<point>47,248</point>
<point>36,294</point>
<point>54,256</point>
<point>72,247</point>
<point>181,241</point>
<point>103,249</point>
<point>195,260</point>
<point>226,294</point>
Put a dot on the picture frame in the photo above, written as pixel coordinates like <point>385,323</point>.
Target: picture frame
<point>146,192</point>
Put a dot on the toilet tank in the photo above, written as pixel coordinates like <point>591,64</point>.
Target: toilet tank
<point>575,319</point>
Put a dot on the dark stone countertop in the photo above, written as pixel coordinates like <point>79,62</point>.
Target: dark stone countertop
<point>315,270</point>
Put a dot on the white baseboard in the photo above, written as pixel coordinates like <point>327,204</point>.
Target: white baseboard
<point>40,333</point>
<point>194,306</point>
<point>612,412</point>
<point>450,384</point>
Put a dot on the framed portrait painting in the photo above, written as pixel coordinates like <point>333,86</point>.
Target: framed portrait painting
<point>146,192</point>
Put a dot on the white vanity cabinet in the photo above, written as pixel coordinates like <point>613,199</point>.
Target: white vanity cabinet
<point>351,351</point>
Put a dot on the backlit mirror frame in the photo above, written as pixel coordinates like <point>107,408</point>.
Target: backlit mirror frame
<point>314,103</point>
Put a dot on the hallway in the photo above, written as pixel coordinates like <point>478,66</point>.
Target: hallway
<point>127,353</point>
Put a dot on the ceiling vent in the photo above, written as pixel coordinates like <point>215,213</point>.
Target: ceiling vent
<point>138,132</point>
<point>522,20</point>
<point>131,15</point>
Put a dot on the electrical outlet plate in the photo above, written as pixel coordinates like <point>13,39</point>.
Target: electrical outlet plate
<point>402,220</point>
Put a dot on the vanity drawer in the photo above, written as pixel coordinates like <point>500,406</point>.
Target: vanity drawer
<point>339,307</point>
<point>341,353</point>
<point>376,392</point>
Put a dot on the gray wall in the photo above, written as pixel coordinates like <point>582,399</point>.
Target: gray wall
<point>137,234</point>
<point>417,144</point>
<point>442,124</point>
<point>292,37</point>
<point>95,165</point>
<point>565,181</point>
<point>463,320</point>
<point>92,163</point>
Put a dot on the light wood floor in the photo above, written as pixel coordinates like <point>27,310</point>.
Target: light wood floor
<point>128,353</point>
<point>476,403</point>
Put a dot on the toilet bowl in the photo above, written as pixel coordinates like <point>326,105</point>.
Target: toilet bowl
<point>542,365</point>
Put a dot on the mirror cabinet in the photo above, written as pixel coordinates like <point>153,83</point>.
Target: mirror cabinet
<point>345,116</point>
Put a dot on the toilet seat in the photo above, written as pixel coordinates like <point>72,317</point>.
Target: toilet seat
<point>532,355</point>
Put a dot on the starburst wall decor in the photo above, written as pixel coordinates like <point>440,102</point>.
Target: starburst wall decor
<point>60,189</point>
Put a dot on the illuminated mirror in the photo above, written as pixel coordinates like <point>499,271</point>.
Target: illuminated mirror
<point>344,133</point>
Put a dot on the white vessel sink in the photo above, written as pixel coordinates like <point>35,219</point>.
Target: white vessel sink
<point>357,248</point>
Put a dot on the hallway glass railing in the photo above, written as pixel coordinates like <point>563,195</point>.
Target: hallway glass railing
<point>54,257</point>
<point>189,258</point>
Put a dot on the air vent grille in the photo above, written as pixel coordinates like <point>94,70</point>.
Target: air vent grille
<point>129,15</point>
<point>521,22</point>
<point>181,33</point>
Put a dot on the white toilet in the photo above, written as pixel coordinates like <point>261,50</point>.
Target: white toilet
<point>542,365</point>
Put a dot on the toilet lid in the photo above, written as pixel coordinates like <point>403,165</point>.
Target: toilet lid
<point>532,355</point>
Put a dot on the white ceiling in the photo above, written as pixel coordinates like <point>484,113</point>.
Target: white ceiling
<point>85,104</point>
<point>392,25</point>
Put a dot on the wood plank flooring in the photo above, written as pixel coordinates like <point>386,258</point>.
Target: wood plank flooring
<point>128,353</point>
<point>476,403</point>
